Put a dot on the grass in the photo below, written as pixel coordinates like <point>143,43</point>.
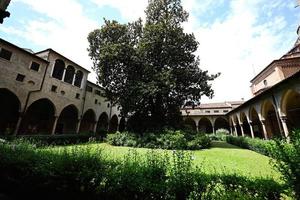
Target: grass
<point>220,158</point>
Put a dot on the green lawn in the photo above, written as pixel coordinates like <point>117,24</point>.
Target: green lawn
<point>221,158</point>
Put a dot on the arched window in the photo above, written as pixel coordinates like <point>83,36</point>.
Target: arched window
<point>70,71</point>
<point>58,70</point>
<point>78,79</point>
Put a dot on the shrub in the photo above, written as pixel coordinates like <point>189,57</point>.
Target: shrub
<point>255,144</point>
<point>122,139</point>
<point>200,141</point>
<point>287,160</point>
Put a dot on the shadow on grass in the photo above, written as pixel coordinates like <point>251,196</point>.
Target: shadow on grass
<point>224,145</point>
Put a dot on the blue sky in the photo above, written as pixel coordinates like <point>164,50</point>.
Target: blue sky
<point>237,37</point>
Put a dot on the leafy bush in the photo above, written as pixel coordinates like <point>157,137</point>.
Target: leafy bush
<point>122,139</point>
<point>82,172</point>
<point>287,160</point>
<point>199,142</point>
<point>255,144</point>
<point>222,131</point>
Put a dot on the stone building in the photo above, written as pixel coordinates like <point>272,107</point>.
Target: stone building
<point>274,109</point>
<point>45,92</point>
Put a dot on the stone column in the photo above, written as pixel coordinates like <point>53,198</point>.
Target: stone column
<point>64,74</point>
<point>74,76</point>
<point>197,128</point>
<point>242,129</point>
<point>95,127</point>
<point>213,127</point>
<point>235,130</point>
<point>283,120</point>
<point>262,121</point>
<point>54,125</point>
<point>18,124</point>
<point>231,130</point>
<point>78,126</point>
<point>251,129</point>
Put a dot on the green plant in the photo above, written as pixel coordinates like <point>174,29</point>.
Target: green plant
<point>200,141</point>
<point>287,160</point>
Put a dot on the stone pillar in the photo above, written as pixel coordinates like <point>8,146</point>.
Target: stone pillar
<point>235,130</point>
<point>64,74</point>
<point>18,124</point>
<point>54,125</point>
<point>78,126</point>
<point>197,128</point>
<point>213,127</point>
<point>242,129</point>
<point>95,127</point>
<point>231,133</point>
<point>262,121</point>
<point>73,81</point>
<point>283,120</point>
<point>251,129</point>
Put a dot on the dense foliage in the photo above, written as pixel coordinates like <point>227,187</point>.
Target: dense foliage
<point>254,144</point>
<point>287,160</point>
<point>166,139</point>
<point>150,69</point>
<point>82,172</point>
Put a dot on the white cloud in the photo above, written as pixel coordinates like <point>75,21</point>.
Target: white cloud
<point>129,9</point>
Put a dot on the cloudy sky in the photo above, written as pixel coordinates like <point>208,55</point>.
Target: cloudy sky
<point>237,37</point>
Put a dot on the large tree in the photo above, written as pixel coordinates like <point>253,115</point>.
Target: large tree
<point>150,69</point>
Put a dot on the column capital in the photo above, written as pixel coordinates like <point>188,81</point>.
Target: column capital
<point>250,122</point>
<point>283,118</point>
<point>263,121</point>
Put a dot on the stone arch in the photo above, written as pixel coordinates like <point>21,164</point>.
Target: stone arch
<point>58,69</point>
<point>68,120</point>
<point>205,125</point>
<point>88,121</point>
<point>269,114</point>
<point>122,125</point>
<point>9,111</point>
<point>39,117</point>
<point>290,107</point>
<point>113,124</point>
<point>102,124</point>
<point>69,76</point>
<point>221,123</point>
<point>190,124</point>
<point>256,124</point>
<point>245,124</point>
<point>78,78</point>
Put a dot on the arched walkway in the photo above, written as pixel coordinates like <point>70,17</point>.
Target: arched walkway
<point>58,69</point>
<point>205,126</point>
<point>9,111</point>
<point>221,123</point>
<point>122,124</point>
<point>246,126</point>
<point>256,124</point>
<point>102,125</point>
<point>69,74</point>
<point>38,118</point>
<point>88,121</point>
<point>67,121</point>
<point>291,108</point>
<point>190,124</point>
<point>113,124</point>
<point>269,114</point>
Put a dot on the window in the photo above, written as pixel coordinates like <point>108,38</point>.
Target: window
<point>78,79</point>
<point>96,101</point>
<point>5,54</point>
<point>77,96</point>
<point>58,69</point>
<point>20,77</point>
<point>216,111</point>
<point>35,66</point>
<point>89,89</point>
<point>97,92</point>
<point>53,88</point>
<point>265,82</point>
<point>69,76</point>
<point>225,111</point>
<point>207,111</point>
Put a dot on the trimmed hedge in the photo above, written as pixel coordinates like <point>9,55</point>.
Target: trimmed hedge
<point>257,145</point>
<point>81,172</point>
<point>166,140</point>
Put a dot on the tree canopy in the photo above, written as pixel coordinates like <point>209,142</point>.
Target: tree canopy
<point>150,69</point>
